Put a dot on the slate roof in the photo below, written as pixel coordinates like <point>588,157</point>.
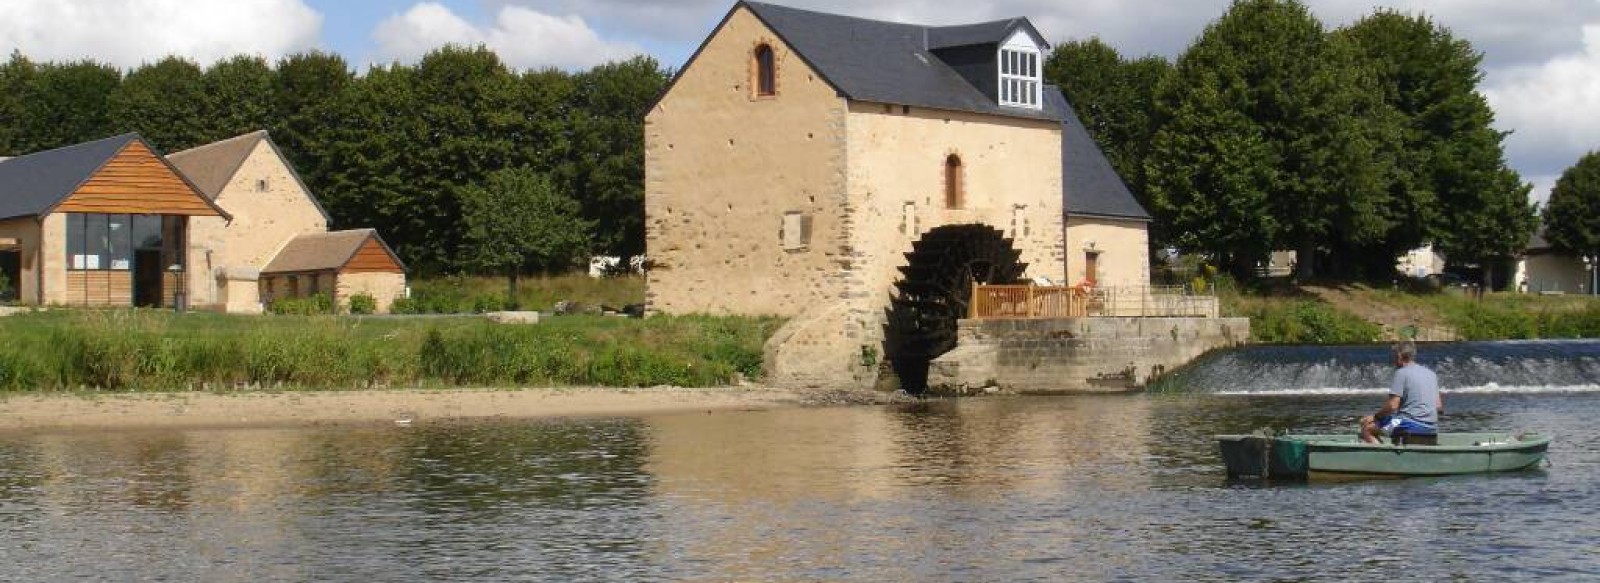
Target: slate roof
<point>322,251</point>
<point>212,166</point>
<point>1537,241</point>
<point>890,62</point>
<point>1089,185</point>
<point>31,185</point>
<point>983,33</point>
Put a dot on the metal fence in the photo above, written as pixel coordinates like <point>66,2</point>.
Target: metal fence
<point>996,302</point>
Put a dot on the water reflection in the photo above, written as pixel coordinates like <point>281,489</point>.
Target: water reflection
<point>1073,488</point>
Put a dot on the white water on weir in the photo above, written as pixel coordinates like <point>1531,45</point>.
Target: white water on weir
<point>1526,366</point>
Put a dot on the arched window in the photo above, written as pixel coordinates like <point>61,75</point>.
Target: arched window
<point>766,72</point>
<point>953,194</point>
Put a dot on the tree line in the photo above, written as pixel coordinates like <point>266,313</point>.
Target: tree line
<point>1349,146</point>
<point>402,148</point>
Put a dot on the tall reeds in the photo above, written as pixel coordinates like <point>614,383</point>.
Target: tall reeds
<point>134,350</point>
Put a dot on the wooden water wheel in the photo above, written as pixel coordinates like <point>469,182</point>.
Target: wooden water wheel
<point>934,290</point>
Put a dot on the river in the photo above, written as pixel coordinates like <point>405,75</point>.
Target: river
<point>1083,488</point>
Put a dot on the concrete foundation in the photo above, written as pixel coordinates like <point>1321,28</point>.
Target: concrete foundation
<point>1076,355</point>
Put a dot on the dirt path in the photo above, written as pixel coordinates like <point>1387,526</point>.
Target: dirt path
<point>1392,318</point>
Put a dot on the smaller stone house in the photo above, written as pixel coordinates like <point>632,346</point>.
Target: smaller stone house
<point>273,213</point>
<point>342,264</point>
<point>1543,269</point>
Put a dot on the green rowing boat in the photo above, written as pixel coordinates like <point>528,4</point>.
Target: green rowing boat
<point>1299,456</point>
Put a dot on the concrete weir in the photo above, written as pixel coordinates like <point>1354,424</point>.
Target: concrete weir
<point>1075,355</point>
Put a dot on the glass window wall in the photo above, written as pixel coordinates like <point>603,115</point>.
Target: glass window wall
<point>102,242</point>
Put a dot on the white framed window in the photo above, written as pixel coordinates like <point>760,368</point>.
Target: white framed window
<point>1019,77</point>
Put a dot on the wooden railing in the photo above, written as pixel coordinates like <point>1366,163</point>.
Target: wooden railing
<point>998,302</point>
<point>994,302</point>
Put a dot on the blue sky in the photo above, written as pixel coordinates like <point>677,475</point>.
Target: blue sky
<point>1542,57</point>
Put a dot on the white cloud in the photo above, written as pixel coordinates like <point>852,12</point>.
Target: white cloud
<point>523,37</point>
<point>1554,108</point>
<point>130,32</point>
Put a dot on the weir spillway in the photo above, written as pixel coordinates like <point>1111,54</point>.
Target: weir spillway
<point>1513,366</point>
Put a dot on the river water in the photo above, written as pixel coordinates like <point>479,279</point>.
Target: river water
<point>1084,488</point>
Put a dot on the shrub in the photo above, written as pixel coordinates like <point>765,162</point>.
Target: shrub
<point>404,306</point>
<point>312,305</point>
<point>363,304</point>
<point>489,303</point>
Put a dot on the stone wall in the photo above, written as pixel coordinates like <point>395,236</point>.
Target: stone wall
<point>383,287</point>
<point>269,208</point>
<point>1121,246</point>
<point>723,168</point>
<point>1077,354</point>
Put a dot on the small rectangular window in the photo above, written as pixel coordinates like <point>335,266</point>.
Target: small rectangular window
<point>119,242</point>
<point>796,231</point>
<point>77,254</point>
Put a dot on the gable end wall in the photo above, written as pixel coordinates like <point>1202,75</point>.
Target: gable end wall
<point>722,167</point>
<point>263,221</point>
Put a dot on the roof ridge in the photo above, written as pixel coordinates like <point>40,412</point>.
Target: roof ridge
<point>257,134</point>
<point>127,136</point>
<point>834,14</point>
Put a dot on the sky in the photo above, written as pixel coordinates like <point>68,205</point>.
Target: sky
<point>1541,57</point>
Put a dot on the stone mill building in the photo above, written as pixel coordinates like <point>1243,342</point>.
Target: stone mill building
<point>858,176</point>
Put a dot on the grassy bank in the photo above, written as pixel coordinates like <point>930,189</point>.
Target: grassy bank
<point>130,350</point>
<point>474,294</point>
<point>1506,316</point>
<point>1288,316</point>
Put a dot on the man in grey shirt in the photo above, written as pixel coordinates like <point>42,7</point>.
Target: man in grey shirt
<point>1414,402</point>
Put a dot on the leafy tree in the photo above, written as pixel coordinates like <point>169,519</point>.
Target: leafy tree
<point>1269,137</point>
<point>365,176</point>
<point>238,97</point>
<point>16,80</point>
<point>465,100</point>
<point>1452,185</point>
<point>1115,99</point>
<point>164,102</point>
<point>605,167</point>
<point>518,220</point>
<point>309,95</point>
<point>1572,218</point>
<point>59,104</point>
<point>543,106</point>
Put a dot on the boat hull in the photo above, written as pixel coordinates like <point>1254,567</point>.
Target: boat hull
<point>1297,456</point>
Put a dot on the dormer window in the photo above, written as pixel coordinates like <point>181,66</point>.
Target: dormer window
<point>1019,77</point>
<point>766,72</point>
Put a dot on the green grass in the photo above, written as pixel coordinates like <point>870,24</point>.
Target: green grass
<point>1508,316</point>
<point>1286,316</point>
<point>474,294</point>
<point>65,350</point>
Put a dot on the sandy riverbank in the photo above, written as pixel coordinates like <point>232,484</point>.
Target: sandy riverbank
<point>195,409</point>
